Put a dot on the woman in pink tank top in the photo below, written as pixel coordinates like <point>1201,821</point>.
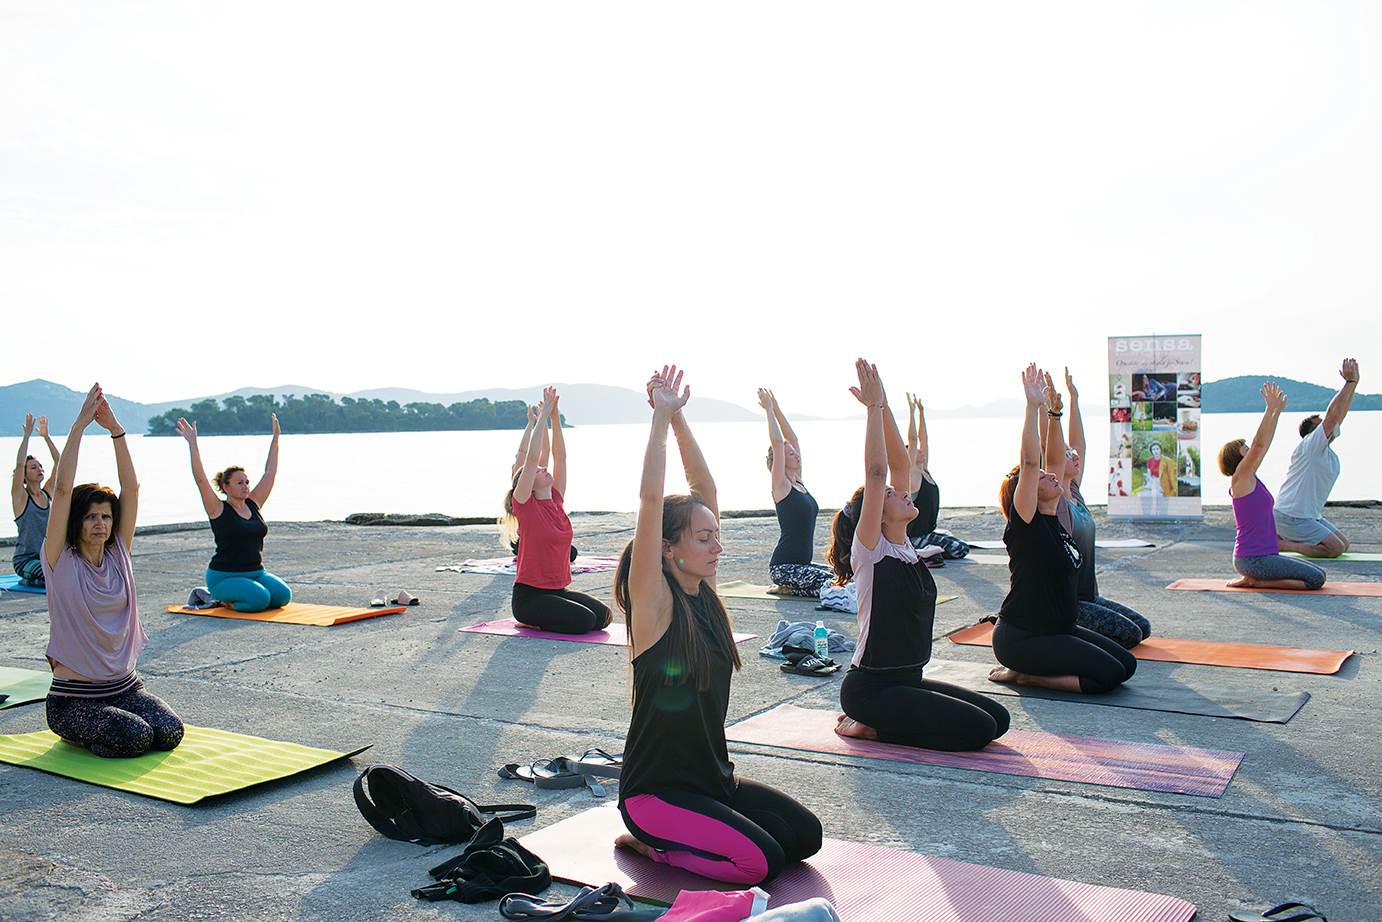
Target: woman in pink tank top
<point>97,699</point>
<point>1256,550</point>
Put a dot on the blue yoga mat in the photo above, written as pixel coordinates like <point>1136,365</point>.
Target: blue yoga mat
<point>11,583</point>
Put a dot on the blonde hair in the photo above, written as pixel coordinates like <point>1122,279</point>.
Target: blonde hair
<point>223,477</point>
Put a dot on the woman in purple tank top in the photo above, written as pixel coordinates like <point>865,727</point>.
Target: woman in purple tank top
<point>97,699</point>
<point>1256,550</point>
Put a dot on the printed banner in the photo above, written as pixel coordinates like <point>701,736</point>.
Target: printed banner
<point>1154,427</point>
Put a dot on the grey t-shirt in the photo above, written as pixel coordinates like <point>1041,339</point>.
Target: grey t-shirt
<point>33,527</point>
<point>1314,468</point>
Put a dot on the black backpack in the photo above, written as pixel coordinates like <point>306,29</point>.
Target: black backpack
<point>403,807</point>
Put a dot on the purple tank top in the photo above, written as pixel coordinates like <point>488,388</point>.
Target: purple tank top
<point>1252,514</point>
<point>93,619</point>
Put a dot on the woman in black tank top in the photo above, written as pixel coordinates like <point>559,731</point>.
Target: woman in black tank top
<point>1036,639</point>
<point>884,695</point>
<point>926,494</point>
<point>675,758</point>
<point>790,567</point>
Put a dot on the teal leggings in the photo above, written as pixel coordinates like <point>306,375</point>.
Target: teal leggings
<point>250,591</point>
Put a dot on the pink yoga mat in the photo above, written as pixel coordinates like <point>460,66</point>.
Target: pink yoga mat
<point>1221,585</point>
<point>865,882</point>
<point>1142,766</point>
<point>615,635</point>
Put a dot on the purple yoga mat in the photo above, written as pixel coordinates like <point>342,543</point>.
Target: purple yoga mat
<point>615,635</point>
<point>865,882</point>
<point>1143,766</point>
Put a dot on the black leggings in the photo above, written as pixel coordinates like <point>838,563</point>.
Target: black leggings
<point>559,610</point>
<point>747,841</point>
<point>1101,664</point>
<point>912,711</point>
<point>119,726</point>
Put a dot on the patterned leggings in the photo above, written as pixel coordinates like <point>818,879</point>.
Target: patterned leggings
<point>803,579</point>
<point>1117,622</point>
<point>31,573</point>
<point>117,727</point>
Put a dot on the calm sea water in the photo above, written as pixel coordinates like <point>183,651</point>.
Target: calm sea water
<point>465,473</point>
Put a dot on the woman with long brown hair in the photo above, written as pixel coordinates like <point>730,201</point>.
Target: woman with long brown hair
<point>678,794</point>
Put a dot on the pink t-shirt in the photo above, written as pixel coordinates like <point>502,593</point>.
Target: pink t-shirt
<point>544,543</point>
<point>93,619</point>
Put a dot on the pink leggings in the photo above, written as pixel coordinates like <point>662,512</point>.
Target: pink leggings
<point>746,841</point>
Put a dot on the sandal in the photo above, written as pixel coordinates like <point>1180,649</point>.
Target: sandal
<point>607,902</point>
<point>405,598</point>
<point>811,665</point>
<point>552,774</point>
<point>1286,912</point>
<point>599,763</point>
<point>378,600</point>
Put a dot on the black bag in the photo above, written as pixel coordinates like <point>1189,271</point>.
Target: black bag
<point>403,807</point>
<point>490,867</point>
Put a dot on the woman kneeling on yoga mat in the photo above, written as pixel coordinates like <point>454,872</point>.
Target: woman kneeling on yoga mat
<point>541,598</point>
<point>884,695</point>
<point>31,498</point>
<point>236,574</point>
<point>1256,547</point>
<point>97,699</point>
<point>1103,616</point>
<point>508,531</point>
<point>678,793</point>
<point>1037,639</point>
<point>790,567</point>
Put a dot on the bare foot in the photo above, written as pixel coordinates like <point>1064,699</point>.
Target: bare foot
<point>1005,675</point>
<point>629,842</point>
<point>849,727</point>
<point>1242,582</point>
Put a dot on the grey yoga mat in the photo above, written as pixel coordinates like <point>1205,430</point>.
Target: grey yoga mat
<point>1146,692</point>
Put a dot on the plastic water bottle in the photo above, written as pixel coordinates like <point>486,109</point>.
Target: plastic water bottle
<point>822,639</point>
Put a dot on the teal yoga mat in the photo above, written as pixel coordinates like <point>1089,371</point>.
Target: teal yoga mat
<point>11,583</point>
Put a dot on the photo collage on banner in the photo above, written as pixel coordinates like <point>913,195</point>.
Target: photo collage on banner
<point>1154,427</point>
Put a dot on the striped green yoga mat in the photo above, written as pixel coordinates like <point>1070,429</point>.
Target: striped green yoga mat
<point>1347,555</point>
<point>23,686</point>
<point>207,763</point>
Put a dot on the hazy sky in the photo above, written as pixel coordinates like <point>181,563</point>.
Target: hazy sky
<point>196,197</point>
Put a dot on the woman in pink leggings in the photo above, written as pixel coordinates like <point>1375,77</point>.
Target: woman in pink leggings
<point>678,794</point>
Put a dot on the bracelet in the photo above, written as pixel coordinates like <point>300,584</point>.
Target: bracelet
<point>1054,414</point>
<point>120,436</point>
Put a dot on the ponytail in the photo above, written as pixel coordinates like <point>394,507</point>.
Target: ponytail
<point>842,529</point>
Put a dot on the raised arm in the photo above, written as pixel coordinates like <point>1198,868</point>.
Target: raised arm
<point>210,501</point>
<point>788,432</point>
<point>265,486</point>
<point>523,490</point>
<point>1077,441</point>
<point>1243,477</point>
<point>868,526</point>
<point>1338,407</point>
<point>698,476</point>
<point>899,463</point>
<point>781,485</point>
<point>1029,471</point>
<point>124,470</point>
<point>558,446</point>
<point>19,494</point>
<point>55,539</point>
<point>650,600</point>
<point>921,451</point>
<point>1055,457</point>
<point>522,454</point>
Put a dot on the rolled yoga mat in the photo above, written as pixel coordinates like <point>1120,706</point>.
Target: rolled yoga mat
<point>10,583</point>
<point>1221,585</point>
<point>23,686</point>
<point>1204,652</point>
<point>206,763</point>
<point>866,883</point>
<point>1146,693</point>
<point>295,613</point>
<point>1113,763</point>
<point>616,635</point>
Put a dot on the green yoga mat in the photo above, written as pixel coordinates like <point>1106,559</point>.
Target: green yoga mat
<point>23,686</point>
<point>1348,555</point>
<point>207,763</point>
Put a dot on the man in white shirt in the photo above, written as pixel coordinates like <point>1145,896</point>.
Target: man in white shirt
<point>1300,522</point>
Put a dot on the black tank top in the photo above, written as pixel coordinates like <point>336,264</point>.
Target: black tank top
<point>239,541</point>
<point>676,738</point>
<point>902,616</point>
<point>1044,566</point>
<point>796,516</point>
<point>927,499</point>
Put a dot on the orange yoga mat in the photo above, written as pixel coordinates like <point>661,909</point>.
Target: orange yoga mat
<point>1205,652</point>
<point>1221,585</point>
<point>294,613</point>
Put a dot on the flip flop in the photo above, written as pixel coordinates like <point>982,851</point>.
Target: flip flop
<point>552,774</point>
<point>598,762</point>
<point>378,601</point>
<point>1286,912</point>
<point>811,665</point>
<point>404,597</point>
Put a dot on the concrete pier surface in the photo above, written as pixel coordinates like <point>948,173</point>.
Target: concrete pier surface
<point>1301,819</point>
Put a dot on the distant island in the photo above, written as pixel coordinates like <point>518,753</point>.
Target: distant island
<point>1241,395</point>
<point>315,413</point>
